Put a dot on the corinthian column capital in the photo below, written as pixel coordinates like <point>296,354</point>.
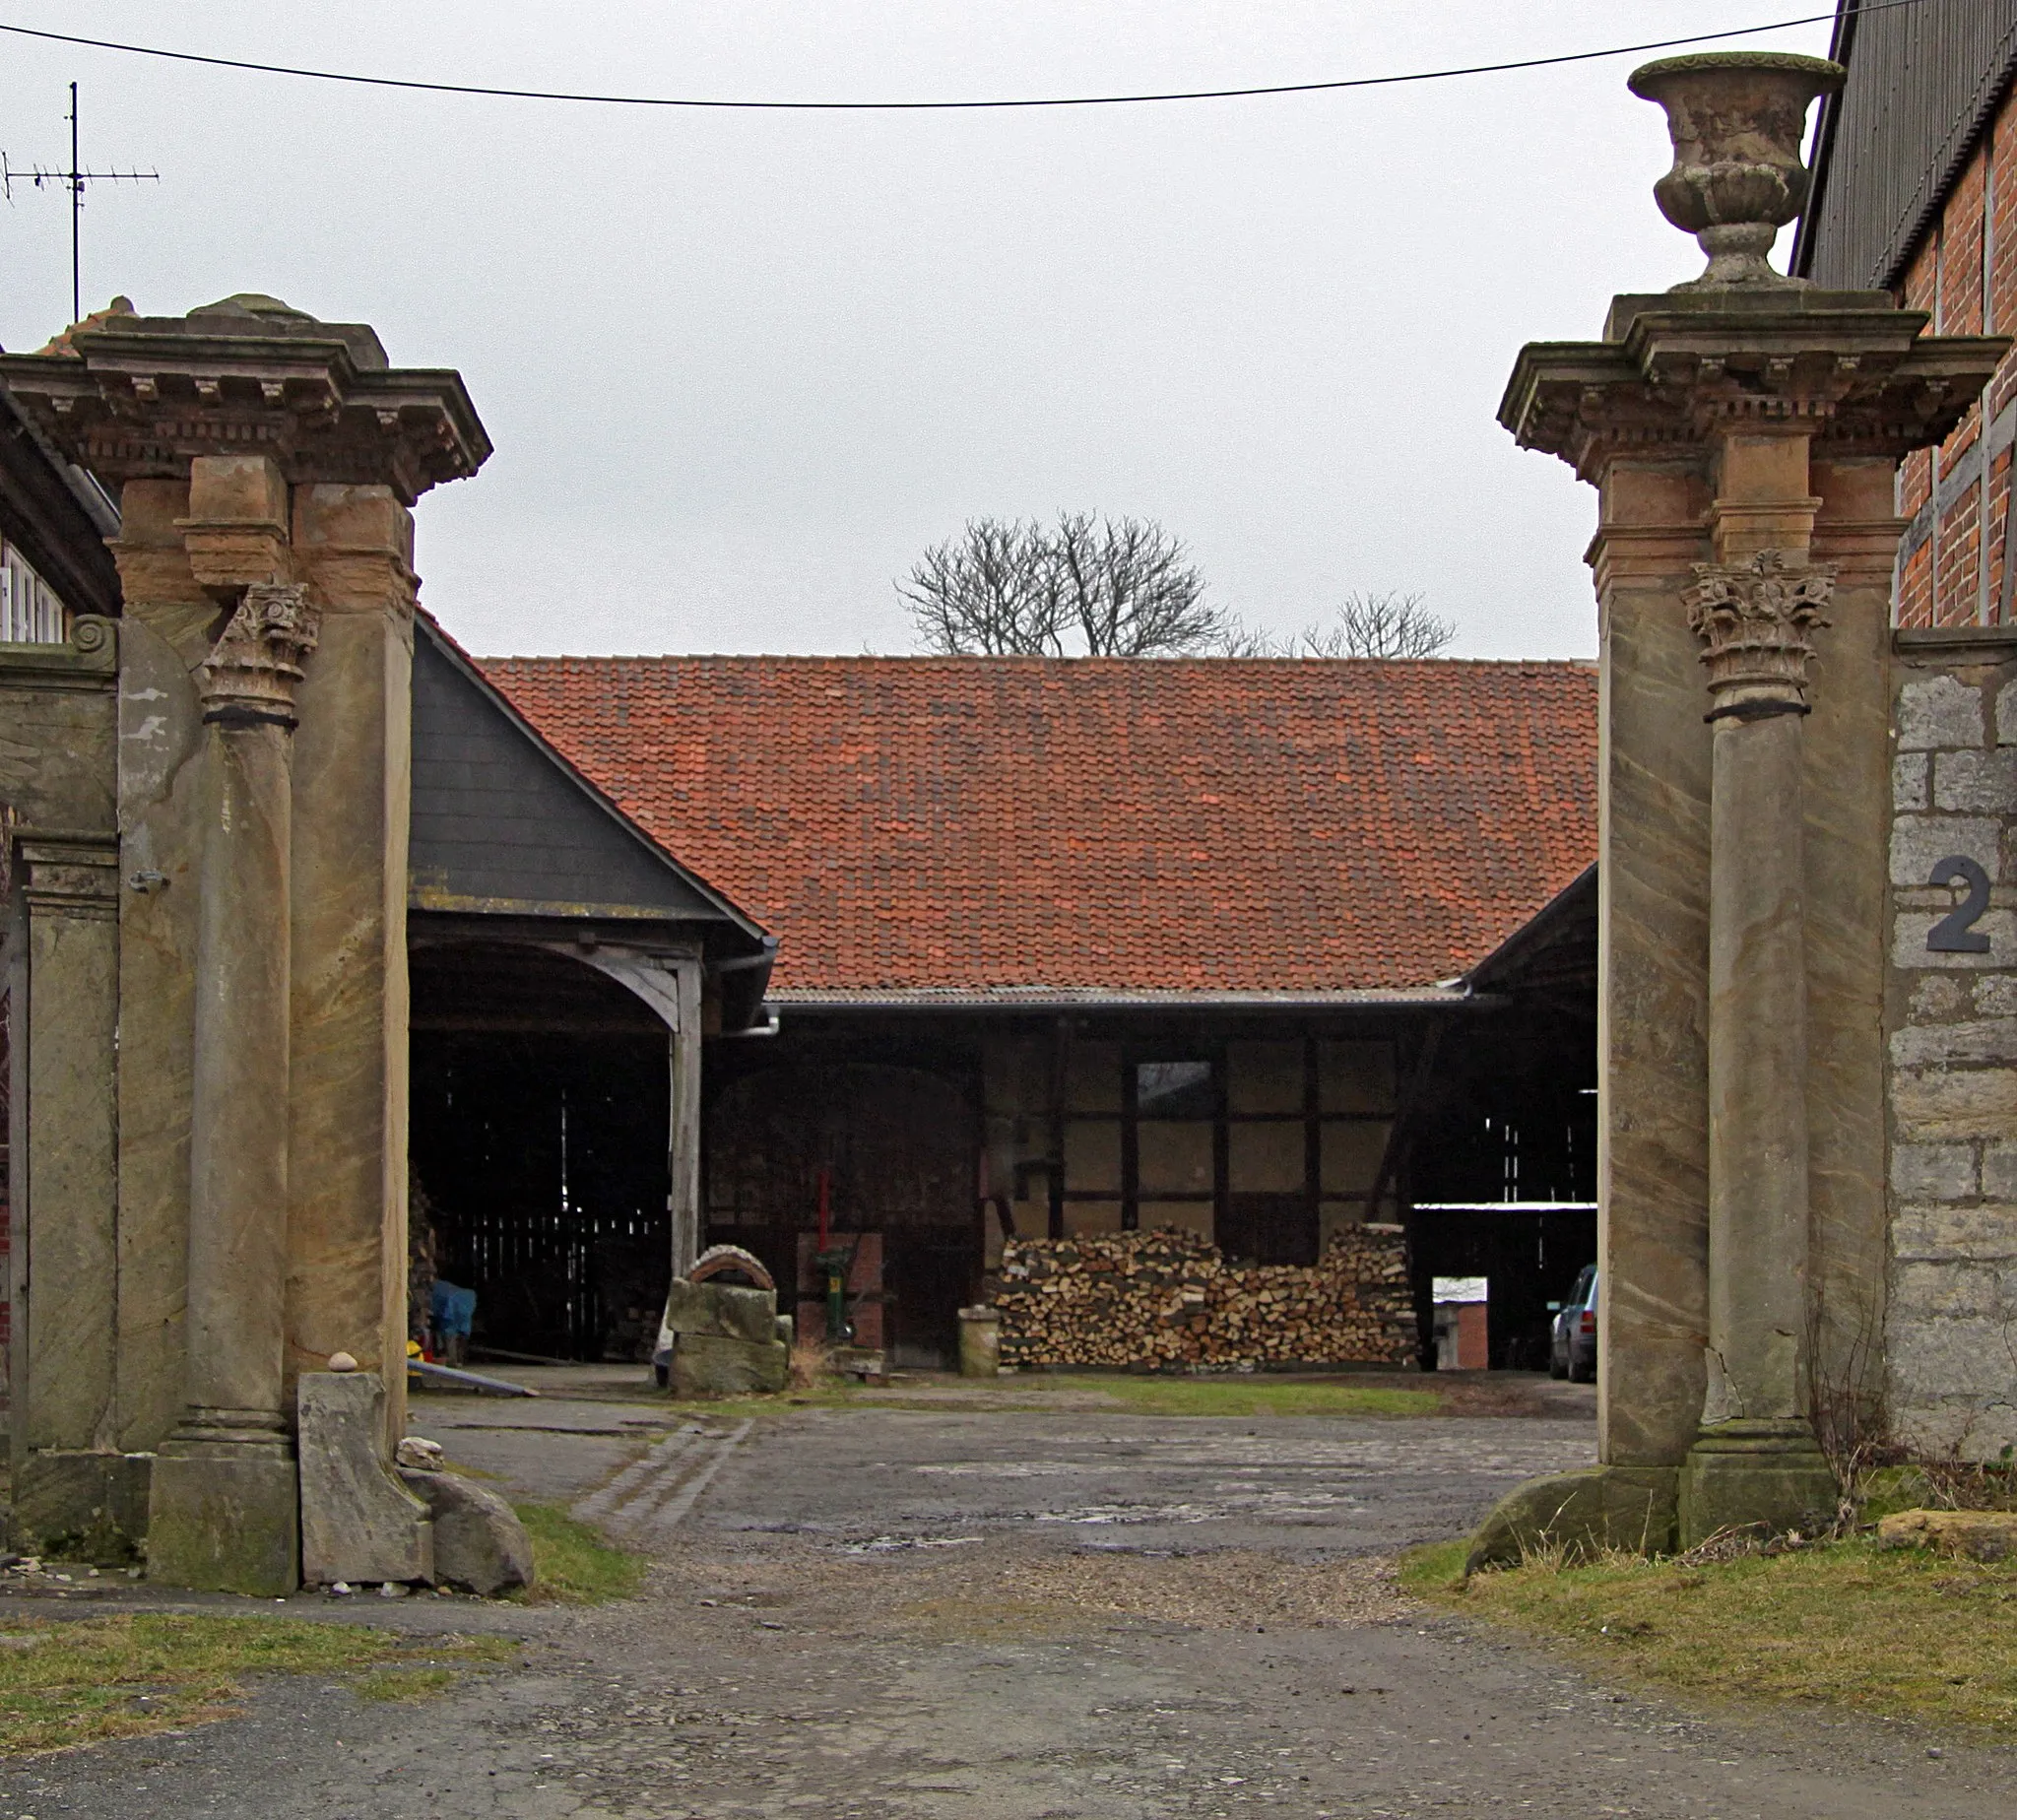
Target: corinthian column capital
<point>252,671</point>
<point>1754,619</point>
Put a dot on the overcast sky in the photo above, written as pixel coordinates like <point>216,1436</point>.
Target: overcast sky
<point>741,367</point>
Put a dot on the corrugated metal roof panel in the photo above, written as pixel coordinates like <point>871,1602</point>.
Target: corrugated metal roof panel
<point>1923,84</point>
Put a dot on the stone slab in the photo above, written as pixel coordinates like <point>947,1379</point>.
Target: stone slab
<point>1980,1535</point>
<point>1933,1171</point>
<point>1735,1486</point>
<point>1938,711</point>
<point>705,1365</point>
<point>358,1522</point>
<point>724,1310</point>
<point>1978,782</point>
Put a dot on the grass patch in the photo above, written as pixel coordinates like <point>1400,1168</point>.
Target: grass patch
<point>1249,1396</point>
<point>83,1682</point>
<point>574,1563</point>
<point>1903,1634</point>
<point>1437,1568</point>
<point>1232,1395</point>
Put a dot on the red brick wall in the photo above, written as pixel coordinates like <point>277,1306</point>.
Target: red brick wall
<point>1953,572</point>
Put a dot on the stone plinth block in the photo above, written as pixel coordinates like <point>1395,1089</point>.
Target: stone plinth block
<point>724,1310</point>
<point>359,1523</point>
<point>479,1544</point>
<point>225,1516</point>
<point>705,1365</point>
<point>83,1506</point>
<point>1743,1474</point>
<point>1581,1515</point>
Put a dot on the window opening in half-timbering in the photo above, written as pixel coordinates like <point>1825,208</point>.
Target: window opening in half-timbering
<point>30,612</point>
<point>1266,1146</point>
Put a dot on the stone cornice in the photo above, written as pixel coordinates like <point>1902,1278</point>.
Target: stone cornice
<point>1977,644</point>
<point>67,873</point>
<point>1860,382</point>
<point>141,398</point>
<point>88,660</point>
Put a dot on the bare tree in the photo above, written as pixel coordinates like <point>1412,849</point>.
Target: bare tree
<point>1386,624</point>
<point>987,591</point>
<point>1086,586</point>
<point>1395,626</point>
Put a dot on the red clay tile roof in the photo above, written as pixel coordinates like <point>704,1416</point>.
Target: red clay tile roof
<point>1194,826</point>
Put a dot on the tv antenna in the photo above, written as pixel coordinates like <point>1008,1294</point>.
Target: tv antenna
<point>74,180</point>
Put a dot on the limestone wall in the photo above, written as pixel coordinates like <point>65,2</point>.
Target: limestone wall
<point>1168,1299</point>
<point>1950,1328</point>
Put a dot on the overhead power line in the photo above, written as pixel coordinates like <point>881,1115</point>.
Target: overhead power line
<point>1063,100</point>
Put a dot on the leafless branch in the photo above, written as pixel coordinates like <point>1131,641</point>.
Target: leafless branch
<point>1087,586</point>
<point>989,592</point>
<point>1383,626</point>
<point>1386,624</point>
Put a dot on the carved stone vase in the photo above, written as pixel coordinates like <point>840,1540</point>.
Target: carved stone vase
<point>1737,119</point>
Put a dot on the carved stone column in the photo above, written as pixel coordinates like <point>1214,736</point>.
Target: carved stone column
<point>1756,1459</point>
<point>225,1511</point>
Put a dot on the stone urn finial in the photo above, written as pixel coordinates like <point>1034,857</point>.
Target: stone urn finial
<point>1737,118</point>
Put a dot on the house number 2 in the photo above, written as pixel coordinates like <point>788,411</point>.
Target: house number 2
<point>1955,933</point>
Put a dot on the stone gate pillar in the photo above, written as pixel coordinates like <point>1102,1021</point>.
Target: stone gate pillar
<point>1740,432</point>
<point>266,464</point>
<point>224,1505</point>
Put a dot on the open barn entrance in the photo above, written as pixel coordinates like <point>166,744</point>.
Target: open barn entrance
<point>540,1108</point>
<point>898,1149</point>
<point>1502,1173</point>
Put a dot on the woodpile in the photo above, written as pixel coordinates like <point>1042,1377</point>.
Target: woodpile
<point>1169,1300</point>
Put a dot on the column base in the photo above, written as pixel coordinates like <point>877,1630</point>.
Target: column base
<point>1577,1516</point>
<point>224,1515</point>
<point>1764,1473</point>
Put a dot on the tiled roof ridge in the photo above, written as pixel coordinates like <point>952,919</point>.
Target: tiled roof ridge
<point>925,660</point>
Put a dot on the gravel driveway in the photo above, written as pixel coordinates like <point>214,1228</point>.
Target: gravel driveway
<point>1000,1614</point>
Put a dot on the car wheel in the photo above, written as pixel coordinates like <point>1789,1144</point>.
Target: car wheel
<point>1558,1367</point>
<point>1580,1373</point>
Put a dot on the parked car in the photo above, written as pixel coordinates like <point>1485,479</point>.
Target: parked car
<point>1573,1354</point>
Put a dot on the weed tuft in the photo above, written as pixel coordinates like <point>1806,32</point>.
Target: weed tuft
<point>574,1563</point>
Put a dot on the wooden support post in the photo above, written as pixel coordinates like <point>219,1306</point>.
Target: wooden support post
<point>683,1136</point>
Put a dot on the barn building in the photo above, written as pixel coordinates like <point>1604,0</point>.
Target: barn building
<point>1248,948</point>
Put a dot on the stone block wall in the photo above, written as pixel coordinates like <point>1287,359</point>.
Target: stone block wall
<point>1168,1300</point>
<point>1950,1324</point>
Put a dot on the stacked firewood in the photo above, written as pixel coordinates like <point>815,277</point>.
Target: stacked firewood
<point>1169,1300</point>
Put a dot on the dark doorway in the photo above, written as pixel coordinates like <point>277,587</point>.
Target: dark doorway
<point>899,1150</point>
<point>540,1119</point>
<point>1529,1255</point>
